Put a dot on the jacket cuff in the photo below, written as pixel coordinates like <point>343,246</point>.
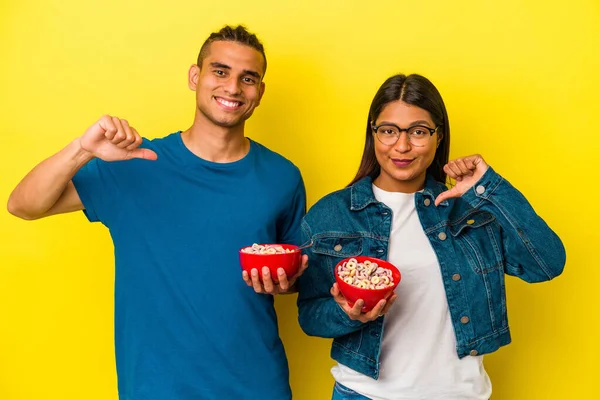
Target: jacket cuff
<point>484,188</point>
<point>345,318</point>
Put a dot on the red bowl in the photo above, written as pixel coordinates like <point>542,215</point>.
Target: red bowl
<point>290,262</point>
<point>370,296</point>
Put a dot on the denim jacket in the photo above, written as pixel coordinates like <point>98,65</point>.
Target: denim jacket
<point>477,238</point>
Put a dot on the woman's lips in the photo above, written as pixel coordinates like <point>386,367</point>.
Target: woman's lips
<point>401,162</point>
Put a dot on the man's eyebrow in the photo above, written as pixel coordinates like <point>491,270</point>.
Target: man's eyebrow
<point>219,65</point>
<point>225,66</point>
<point>252,73</point>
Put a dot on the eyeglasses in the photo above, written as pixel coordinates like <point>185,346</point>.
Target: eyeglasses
<point>418,135</point>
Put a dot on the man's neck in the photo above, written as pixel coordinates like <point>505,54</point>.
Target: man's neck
<point>215,143</point>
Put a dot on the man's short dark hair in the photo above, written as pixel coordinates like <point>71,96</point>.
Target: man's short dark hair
<point>238,34</point>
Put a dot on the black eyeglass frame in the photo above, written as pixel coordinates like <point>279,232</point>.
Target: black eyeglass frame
<point>431,130</point>
<point>400,130</point>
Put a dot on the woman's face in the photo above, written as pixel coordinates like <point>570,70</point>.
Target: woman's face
<point>404,165</point>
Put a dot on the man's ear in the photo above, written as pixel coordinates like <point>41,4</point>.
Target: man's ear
<point>261,92</point>
<point>193,76</point>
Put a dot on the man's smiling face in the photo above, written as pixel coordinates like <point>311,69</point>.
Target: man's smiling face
<point>228,84</point>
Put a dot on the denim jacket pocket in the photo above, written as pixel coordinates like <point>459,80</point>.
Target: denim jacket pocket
<point>334,247</point>
<point>341,246</point>
<point>479,237</point>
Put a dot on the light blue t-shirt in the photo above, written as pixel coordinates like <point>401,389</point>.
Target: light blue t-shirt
<point>187,327</point>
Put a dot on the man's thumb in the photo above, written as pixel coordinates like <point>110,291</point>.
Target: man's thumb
<point>145,154</point>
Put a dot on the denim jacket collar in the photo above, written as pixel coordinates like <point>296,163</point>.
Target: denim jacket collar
<point>362,195</point>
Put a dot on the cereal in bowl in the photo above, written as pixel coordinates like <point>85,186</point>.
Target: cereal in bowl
<point>365,275</point>
<point>266,249</point>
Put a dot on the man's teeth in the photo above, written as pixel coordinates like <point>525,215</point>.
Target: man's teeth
<point>229,103</point>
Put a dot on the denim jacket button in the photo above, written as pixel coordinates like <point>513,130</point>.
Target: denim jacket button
<point>465,320</point>
<point>480,189</point>
<point>427,202</point>
<point>456,277</point>
<point>473,353</point>
<point>442,236</point>
<point>338,247</point>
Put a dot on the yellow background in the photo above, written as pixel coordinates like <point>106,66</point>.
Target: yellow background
<point>520,80</point>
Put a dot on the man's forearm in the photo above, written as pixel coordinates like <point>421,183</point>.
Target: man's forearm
<point>44,185</point>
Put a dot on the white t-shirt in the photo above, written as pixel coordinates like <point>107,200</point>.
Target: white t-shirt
<point>418,351</point>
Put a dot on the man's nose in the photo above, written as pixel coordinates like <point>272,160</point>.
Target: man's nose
<point>233,86</point>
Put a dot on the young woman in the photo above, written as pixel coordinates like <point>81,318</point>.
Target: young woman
<point>452,246</point>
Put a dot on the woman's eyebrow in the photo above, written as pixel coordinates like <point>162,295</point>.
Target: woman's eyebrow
<point>417,122</point>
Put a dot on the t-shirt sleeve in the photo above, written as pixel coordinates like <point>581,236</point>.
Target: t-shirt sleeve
<point>289,230</point>
<point>95,187</point>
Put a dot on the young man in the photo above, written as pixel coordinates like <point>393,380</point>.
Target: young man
<point>179,208</point>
